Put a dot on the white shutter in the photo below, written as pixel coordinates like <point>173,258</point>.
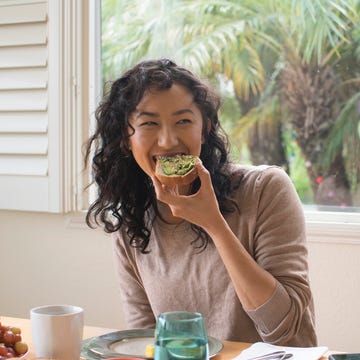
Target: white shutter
<point>47,66</point>
<point>29,108</point>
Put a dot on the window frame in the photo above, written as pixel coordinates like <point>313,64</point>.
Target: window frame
<point>81,90</point>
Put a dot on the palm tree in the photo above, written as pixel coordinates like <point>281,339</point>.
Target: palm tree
<point>313,87</point>
<point>286,62</point>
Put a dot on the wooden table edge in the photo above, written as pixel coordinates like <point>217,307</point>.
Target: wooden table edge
<point>230,350</point>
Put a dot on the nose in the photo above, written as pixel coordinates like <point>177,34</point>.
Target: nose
<point>167,138</point>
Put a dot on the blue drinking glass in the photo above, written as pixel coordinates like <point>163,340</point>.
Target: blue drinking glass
<point>181,335</point>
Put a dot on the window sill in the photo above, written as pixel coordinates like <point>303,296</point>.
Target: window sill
<point>321,226</point>
<point>332,226</point>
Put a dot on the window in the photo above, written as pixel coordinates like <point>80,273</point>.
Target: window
<point>289,75</point>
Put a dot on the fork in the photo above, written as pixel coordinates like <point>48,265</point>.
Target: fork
<point>275,355</point>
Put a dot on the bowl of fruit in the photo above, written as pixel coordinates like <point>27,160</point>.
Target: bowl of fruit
<point>11,344</point>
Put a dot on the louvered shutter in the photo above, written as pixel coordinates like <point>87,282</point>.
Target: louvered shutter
<point>27,122</point>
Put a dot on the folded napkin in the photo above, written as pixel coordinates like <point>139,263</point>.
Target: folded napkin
<point>260,348</point>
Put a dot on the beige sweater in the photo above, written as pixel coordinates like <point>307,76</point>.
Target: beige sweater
<point>174,277</point>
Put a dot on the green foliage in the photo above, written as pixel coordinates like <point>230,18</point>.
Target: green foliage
<point>297,164</point>
<point>345,137</point>
<point>320,26</point>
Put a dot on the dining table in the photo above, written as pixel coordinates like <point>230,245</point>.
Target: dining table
<point>230,348</point>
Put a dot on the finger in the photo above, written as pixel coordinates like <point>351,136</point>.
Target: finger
<point>157,185</point>
<point>203,173</point>
<point>164,193</point>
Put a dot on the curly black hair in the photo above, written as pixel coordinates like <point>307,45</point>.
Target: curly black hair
<point>125,191</point>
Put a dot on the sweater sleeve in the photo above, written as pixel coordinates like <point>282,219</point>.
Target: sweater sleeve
<point>279,246</point>
<point>137,309</point>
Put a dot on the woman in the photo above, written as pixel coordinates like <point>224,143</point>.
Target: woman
<point>231,245</point>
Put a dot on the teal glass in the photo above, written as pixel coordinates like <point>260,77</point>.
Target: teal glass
<point>181,335</point>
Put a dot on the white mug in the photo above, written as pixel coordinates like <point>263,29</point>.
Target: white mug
<point>57,331</point>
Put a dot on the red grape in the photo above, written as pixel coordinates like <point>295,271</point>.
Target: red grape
<point>3,350</point>
<point>11,344</point>
<point>9,338</point>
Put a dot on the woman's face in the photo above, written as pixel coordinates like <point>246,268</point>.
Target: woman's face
<point>165,122</point>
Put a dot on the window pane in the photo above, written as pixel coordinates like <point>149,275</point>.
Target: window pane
<point>288,72</point>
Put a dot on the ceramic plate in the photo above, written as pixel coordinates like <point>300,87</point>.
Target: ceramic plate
<point>24,356</point>
<point>129,343</point>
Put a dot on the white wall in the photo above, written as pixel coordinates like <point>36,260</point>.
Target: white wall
<point>44,258</point>
<point>335,281</point>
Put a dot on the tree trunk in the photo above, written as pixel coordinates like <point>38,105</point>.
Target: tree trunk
<point>311,98</point>
<point>265,144</point>
<point>264,139</point>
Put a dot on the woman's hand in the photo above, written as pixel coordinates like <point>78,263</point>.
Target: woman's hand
<point>200,208</point>
<point>253,285</point>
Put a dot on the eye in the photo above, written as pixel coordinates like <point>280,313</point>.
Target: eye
<point>148,123</point>
<point>184,121</point>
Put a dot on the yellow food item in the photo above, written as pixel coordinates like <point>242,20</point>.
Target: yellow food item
<point>149,351</point>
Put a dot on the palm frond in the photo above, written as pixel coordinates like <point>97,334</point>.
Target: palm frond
<point>210,8</point>
<point>266,112</point>
<point>320,25</point>
<point>345,127</point>
<point>247,72</point>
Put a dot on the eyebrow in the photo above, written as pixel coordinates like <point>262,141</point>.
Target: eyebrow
<point>154,114</point>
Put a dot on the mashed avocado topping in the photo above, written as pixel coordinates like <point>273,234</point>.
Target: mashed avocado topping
<point>177,165</point>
